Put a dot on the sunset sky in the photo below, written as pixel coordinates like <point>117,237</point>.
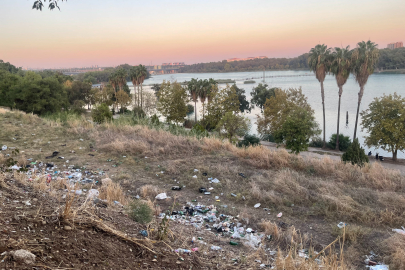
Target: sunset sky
<point>113,32</point>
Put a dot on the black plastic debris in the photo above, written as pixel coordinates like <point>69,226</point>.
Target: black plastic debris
<point>91,155</point>
<point>241,174</point>
<point>202,190</point>
<point>49,165</point>
<point>176,188</point>
<point>204,174</point>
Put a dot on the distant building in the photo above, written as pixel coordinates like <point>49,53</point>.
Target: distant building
<point>395,45</point>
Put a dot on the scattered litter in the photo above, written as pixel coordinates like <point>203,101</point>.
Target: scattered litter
<point>257,205</point>
<point>241,174</point>
<point>176,188</point>
<point>399,231</point>
<point>15,167</point>
<point>204,174</point>
<point>211,188</point>
<point>207,193</point>
<point>93,193</point>
<point>380,267</point>
<point>215,248</point>
<point>143,233</point>
<point>279,215</point>
<point>23,256</point>
<point>4,147</point>
<point>234,195</point>
<point>202,190</point>
<point>341,225</point>
<point>161,196</point>
<point>195,170</point>
<point>194,176</point>
<point>215,181</point>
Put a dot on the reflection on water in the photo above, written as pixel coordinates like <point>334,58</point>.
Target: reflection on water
<point>378,84</point>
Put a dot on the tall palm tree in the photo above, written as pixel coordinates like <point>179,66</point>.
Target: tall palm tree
<point>142,73</point>
<point>203,93</point>
<point>133,74</point>
<point>121,76</point>
<point>318,63</point>
<point>192,87</point>
<point>340,67</point>
<point>364,59</point>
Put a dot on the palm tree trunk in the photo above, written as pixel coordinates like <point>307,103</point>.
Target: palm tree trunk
<point>195,110</point>
<point>338,121</point>
<point>203,109</point>
<point>141,97</point>
<point>323,107</point>
<point>358,109</point>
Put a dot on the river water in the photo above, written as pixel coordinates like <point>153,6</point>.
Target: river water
<point>378,84</point>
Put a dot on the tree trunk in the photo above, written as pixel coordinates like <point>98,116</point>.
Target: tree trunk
<point>203,109</point>
<point>394,155</point>
<point>358,109</point>
<point>141,97</point>
<point>195,111</point>
<point>338,122</point>
<point>323,107</point>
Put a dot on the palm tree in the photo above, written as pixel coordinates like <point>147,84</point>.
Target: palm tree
<point>142,73</point>
<point>340,66</point>
<point>203,93</point>
<point>364,58</point>
<point>192,87</point>
<point>114,83</point>
<point>121,76</point>
<point>133,74</point>
<point>318,63</point>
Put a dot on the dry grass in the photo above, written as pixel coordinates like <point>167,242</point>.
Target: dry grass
<point>395,246</point>
<point>113,192</point>
<point>149,191</point>
<point>2,159</point>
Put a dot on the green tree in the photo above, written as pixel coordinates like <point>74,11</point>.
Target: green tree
<point>318,63</point>
<point>297,129</point>
<point>384,121</point>
<point>143,73</point>
<point>37,95</point>
<point>134,75</point>
<point>123,99</point>
<point>260,94</point>
<point>7,82</point>
<point>172,102</point>
<point>232,125</point>
<point>221,102</point>
<point>279,107</point>
<point>365,58</point>
<point>355,154</point>
<point>244,105</point>
<point>193,89</point>
<point>78,91</point>
<point>340,67</point>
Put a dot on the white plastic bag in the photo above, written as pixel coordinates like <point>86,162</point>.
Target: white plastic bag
<point>161,196</point>
<point>93,193</point>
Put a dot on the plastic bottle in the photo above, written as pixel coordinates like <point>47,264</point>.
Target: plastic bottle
<point>215,248</point>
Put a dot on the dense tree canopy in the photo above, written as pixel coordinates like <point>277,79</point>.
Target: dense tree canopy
<point>244,105</point>
<point>384,121</point>
<point>173,101</point>
<point>260,94</point>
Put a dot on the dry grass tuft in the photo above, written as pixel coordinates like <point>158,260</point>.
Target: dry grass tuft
<point>39,183</point>
<point>149,191</point>
<point>113,192</point>
<point>395,247</point>
<point>2,159</point>
<point>22,161</point>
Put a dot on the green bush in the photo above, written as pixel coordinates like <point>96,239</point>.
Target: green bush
<point>101,114</point>
<point>140,211</point>
<point>198,127</point>
<point>249,140</point>
<point>316,142</point>
<point>138,112</point>
<point>355,154</point>
<point>78,107</point>
<point>154,119</point>
<point>344,142</point>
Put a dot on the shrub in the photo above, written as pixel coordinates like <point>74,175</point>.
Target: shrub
<point>188,123</point>
<point>140,211</point>
<point>344,142</point>
<point>154,119</point>
<point>267,138</point>
<point>355,154</point>
<point>78,107</point>
<point>190,109</point>
<point>316,142</point>
<point>138,112</point>
<point>249,140</point>
<point>198,128</point>
<point>101,113</point>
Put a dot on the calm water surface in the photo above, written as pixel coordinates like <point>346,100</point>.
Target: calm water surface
<point>378,84</point>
